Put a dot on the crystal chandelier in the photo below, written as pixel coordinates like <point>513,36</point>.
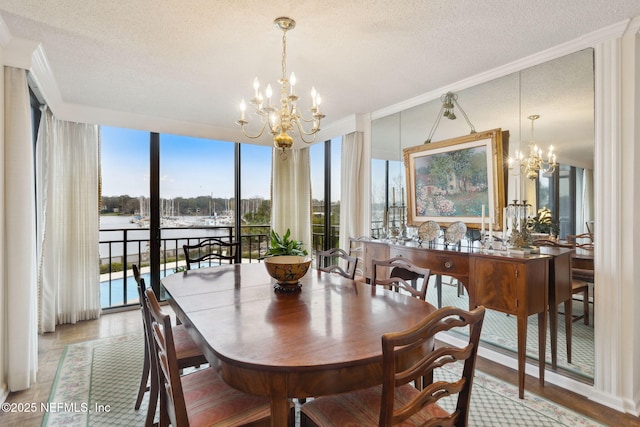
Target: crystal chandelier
<point>535,163</point>
<point>283,120</point>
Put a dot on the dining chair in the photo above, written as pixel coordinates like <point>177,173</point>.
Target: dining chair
<point>406,356</point>
<point>579,280</point>
<point>584,240</point>
<point>401,271</point>
<point>188,354</point>
<point>583,276</point>
<point>357,249</point>
<point>329,262</point>
<point>210,250</point>
<point>201,398</point>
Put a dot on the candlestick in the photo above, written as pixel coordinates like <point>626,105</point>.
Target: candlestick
<point>482,224</point>
<point>393,193</point>
<point>504,220</point>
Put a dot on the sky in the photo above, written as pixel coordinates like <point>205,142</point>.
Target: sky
<point>192,167</point>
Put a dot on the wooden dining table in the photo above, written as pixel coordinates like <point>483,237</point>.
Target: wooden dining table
<point>325,339</point>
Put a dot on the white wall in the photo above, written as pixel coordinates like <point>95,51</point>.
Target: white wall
<point>3,288</point>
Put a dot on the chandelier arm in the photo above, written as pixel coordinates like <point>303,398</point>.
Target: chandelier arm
<point>435,125</point>
<point>302,134</point>
<point>466,118</point>
<point>258,135</point>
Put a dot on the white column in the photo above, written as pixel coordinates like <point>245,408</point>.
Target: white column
<point>617,197</point>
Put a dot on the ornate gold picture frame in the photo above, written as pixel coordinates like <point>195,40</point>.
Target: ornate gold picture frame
<point>452,180</point>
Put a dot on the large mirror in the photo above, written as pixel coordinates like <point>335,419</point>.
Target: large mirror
<point>561,92</point>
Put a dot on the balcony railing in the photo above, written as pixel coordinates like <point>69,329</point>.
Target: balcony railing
<point>122,247</point>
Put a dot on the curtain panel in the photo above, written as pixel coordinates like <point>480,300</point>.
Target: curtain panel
<point>67,160</point>
<point>18,263</point>
<point>354,194</point>
<point>291,195</point>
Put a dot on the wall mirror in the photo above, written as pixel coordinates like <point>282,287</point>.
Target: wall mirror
<point>561,92</point>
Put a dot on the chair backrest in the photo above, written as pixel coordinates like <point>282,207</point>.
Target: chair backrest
<point>210,250</point>
<point>172,404</point>
<point>401,271</point>
<point>143,306</point>
<point>584,240</point>
<point>397,345</point>
<point>328,261</point>
<point>357,249</point>
<point>551,242</point>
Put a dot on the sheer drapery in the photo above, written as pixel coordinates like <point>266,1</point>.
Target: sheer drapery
<point>68,223</point>
<point>354,194</point>
<point>587,201</point>
<point>291,195</point>
<point>18,261</point>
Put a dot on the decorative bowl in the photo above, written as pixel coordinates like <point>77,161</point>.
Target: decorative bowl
<point>287,270</point>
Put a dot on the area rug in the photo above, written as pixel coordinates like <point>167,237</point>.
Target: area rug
<point>97,382</point>
<point>500,330</point>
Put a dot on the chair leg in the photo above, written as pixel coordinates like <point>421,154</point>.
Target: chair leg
<point>154,393</point>
<point>585,305</point>
<point>145,377</point>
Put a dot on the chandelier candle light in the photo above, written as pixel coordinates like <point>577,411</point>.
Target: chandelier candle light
<point>284,119</point>
<point>535,163</point>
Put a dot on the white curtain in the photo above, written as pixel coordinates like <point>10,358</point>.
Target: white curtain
<point>354,194</point>
<point>18,268</point>
<point>587,201</point>
<point>291,194</point>
<point>68,225</point>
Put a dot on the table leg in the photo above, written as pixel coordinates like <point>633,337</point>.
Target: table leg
<point>553,326</point>
<point>522,352</point>
<point>542,344</point>
<point>439,288</point>
<point>279,411</point>
<point>568,320</point>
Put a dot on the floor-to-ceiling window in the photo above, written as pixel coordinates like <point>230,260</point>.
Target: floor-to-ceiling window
<point>325,186</point>
<point>124,212</point>
<point>388,198</point>
<point>255,208</point>
<point>562,193</point>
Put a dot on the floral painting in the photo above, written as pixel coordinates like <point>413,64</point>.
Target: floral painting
<point>454,180</point>
<point>452,183</point>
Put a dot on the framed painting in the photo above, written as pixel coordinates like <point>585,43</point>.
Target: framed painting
<point>459,179</point>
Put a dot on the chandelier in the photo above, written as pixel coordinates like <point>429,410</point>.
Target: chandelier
<point>449,101</point>
<point>282,119</point>
<point>535,163</point>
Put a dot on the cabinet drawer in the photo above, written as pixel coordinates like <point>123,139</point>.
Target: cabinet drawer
<point>439,262</point>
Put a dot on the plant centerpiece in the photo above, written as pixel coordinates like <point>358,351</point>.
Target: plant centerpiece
<point>286,261</point>
<point>543,223</point>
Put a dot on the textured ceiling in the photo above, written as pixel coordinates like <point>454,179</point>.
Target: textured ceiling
<point>190,62</point>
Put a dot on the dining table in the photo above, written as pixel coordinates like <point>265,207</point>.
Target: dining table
<point>324,339</point>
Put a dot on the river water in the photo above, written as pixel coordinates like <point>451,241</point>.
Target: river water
<point>114,227</point>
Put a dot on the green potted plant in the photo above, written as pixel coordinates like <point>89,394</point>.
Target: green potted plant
<point>543,223</point>
<point>285,245</point>
<point>286,261</point>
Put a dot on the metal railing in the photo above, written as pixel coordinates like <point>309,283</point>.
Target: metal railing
<point>122,247</point>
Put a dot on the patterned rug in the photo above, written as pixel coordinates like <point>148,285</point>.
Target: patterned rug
<point>97,382</point>
<point>500,330</point>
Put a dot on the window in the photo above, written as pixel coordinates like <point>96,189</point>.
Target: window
<point>325,185</point>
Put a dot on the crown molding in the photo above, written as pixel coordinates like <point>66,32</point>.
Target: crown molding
<point>16,52</point>
<point>583,42</point>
